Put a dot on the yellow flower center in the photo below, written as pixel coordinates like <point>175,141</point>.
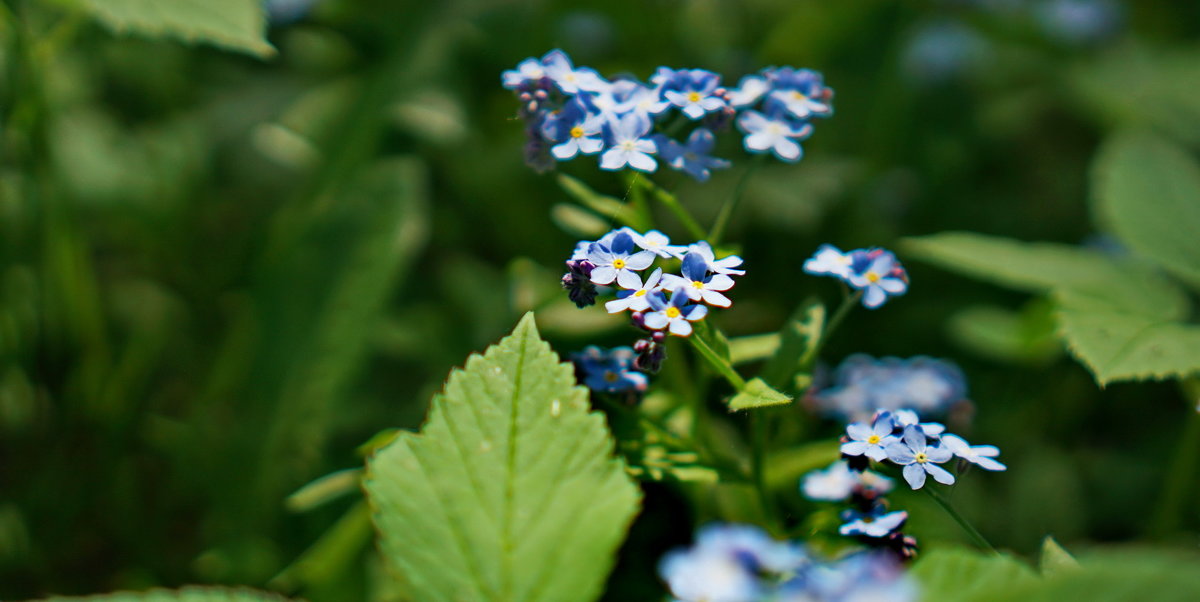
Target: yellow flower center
<point>873,439</point>
<point>921,457</point>
<point>673,312</point>
<point>796,95</point>
<point>872,277</point>
<point>611,376</point>
<point>640,293</point>
<point>694,97</point>
<point>697,284</point>
<point>577,132</point>
<point>619,263</point>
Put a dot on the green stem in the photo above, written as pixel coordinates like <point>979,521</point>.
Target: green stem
<point>675,207</point>
<point>722,367</point>
<point>722,222</point>
<point>979,539</point>
<point>758,448</point>
<point>1181,477</point>
<point>848,303</point>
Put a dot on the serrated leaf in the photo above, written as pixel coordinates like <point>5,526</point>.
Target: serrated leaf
<point>968,576</point>
<point>757,394</point>
<point>1146,190</point>
<point>187,594</point>
<point>510,491</point>
<point>1118,344</point>
<point>1054,559</point>
<point>237,25</point>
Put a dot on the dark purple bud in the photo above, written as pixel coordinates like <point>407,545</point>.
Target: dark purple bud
<point>650,355</point>
<point>903,547</point>
<point>638,319</point>
<point>578,283</point>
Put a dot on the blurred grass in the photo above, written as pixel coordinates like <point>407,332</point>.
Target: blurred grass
<point>222,275</point>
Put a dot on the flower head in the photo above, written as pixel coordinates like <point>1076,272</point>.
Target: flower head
<point>693,91</point>
<point>799,92</point>
<point>656,242</point>
<point>616,260</point>
<point>675,315</point>
<point>628,144</point>
<point>557,66</point>
<point>919,459</point>
<point>828,260</point>
<point>870,441</point>
<point>609,371</point>
<point>981,455</point>
<point>725,265</point>
<point>774,133</point>
<point>636,299</point>
<point>879,274</point>
<point>693,157</point>
<point>697,284</point>
<point>574,130</point>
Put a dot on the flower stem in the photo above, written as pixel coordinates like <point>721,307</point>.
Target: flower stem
<point>758,449</point>
<point>722,367</point>
<point>848,303</point>
<point>676,208</point>
<point>718,229</point>
<point>978,538</point>
<point>1180,477</point>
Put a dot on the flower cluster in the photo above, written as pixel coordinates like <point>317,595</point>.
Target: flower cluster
<point>661,303</point>
<point>867,518</point>
<point>739,563</point>
<point>608,370</point>
<point>875,272</point>
<point>919,447</point>
<point>572,111</point>
<point>862,384</point>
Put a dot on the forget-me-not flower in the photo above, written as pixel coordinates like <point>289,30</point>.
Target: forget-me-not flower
<point>692,157</point>
<point>904,418</point>
<point>982,455</point>
<point>724,265</point>
<point>557,66</point>
<point>636,299</point>
<point>873,524</point>
<point>628,144</point>
<point>528,73</point>
<point>800,92</point>
<point>749,91</point>
<point>675,315</point>
<point>880,277</point>
<point>828,260</point>
<point>656,242</point>
<point>618,261</point>
<point>609,371</point>
<point>692,90</point>
<point>575,130</point>
<point>727,563</point>
<point>919,459</point>
<point>839,481</point>
<point>870,441</point>
<point>773,133</point>
<point>697,284</point>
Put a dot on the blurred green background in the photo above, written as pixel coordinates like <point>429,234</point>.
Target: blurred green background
<point>222,275</point>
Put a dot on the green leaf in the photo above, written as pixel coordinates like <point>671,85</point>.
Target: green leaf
<point>1163,78</point>
<point>1042,267</point>
<point>1055,560</point>
<point>1147,191</point>
<point>187,594</point>
<point>1029,335</point>
<point>757,394</point>
<point>236,25</point>
<point>324,490</point>
<point>510,491</point>
<point>797,341</point>
<point>1116,575</point>
<point>1116,343</point>
<point>968,576</point>
<point>332,555</point>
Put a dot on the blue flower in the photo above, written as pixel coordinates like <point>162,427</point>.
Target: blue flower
<point>874,576</point>
<point>905,418</point>
<point>656,242</point>
<point>692,158</point>
<point>919,458</point>
<point>528,74</point>
<point>697,284</point>
<point>800,92</point>
<point>872,524</point>
<point>725,265</point>
<point>863,384</point>
<point>693,91</point>
<point>575,130</point>
<point>828,260</point>
<point>674,315</point>
<point>837,482</point>
<point>749,91</point>
<point>637,298</point>
<point>558,68</point>
<point>726,564</point>
<point>609,371</point>
<point>881,276</point>
<point>616,260</point>
<point>627,144</point>
<point>631,96</point>
<point>870,441</point>
<point>773,133</point>
<point>981,455</point>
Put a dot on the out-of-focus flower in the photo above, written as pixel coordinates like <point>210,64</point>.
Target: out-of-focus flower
<point>609,371</point>
<point>693,157</point>
<point>862,385</point>
<point>628,144</point>
<point>838,482</point>
<point>873,524</point>
<point>692,90</point>
<point>800,92</point>
<point>879,278</point>
<point>727,564</point>
<point>558,68</point>
<point>828,260</point>
<point>774,133</point>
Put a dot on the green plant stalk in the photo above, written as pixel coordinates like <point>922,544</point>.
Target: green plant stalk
<point>722,221</point>
<point>758,454</point>
<point>677,209</point>
<point>1181,476</point>
<point>721,366</point>
<point>975,535</point>
<point>848,303</point>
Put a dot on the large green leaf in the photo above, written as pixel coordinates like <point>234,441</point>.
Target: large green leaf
<point>231,24</point>
<point>1117,343</point>
<point>966,576</point>
<point>187,594</point>
<point>1147,191</point>
<point>510,491</point>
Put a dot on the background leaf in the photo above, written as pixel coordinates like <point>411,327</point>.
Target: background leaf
<point>965,575</point>
<point>236,25</point>
<point>187,594</point>
<point>1146,190</point>
<point>510,491</point>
